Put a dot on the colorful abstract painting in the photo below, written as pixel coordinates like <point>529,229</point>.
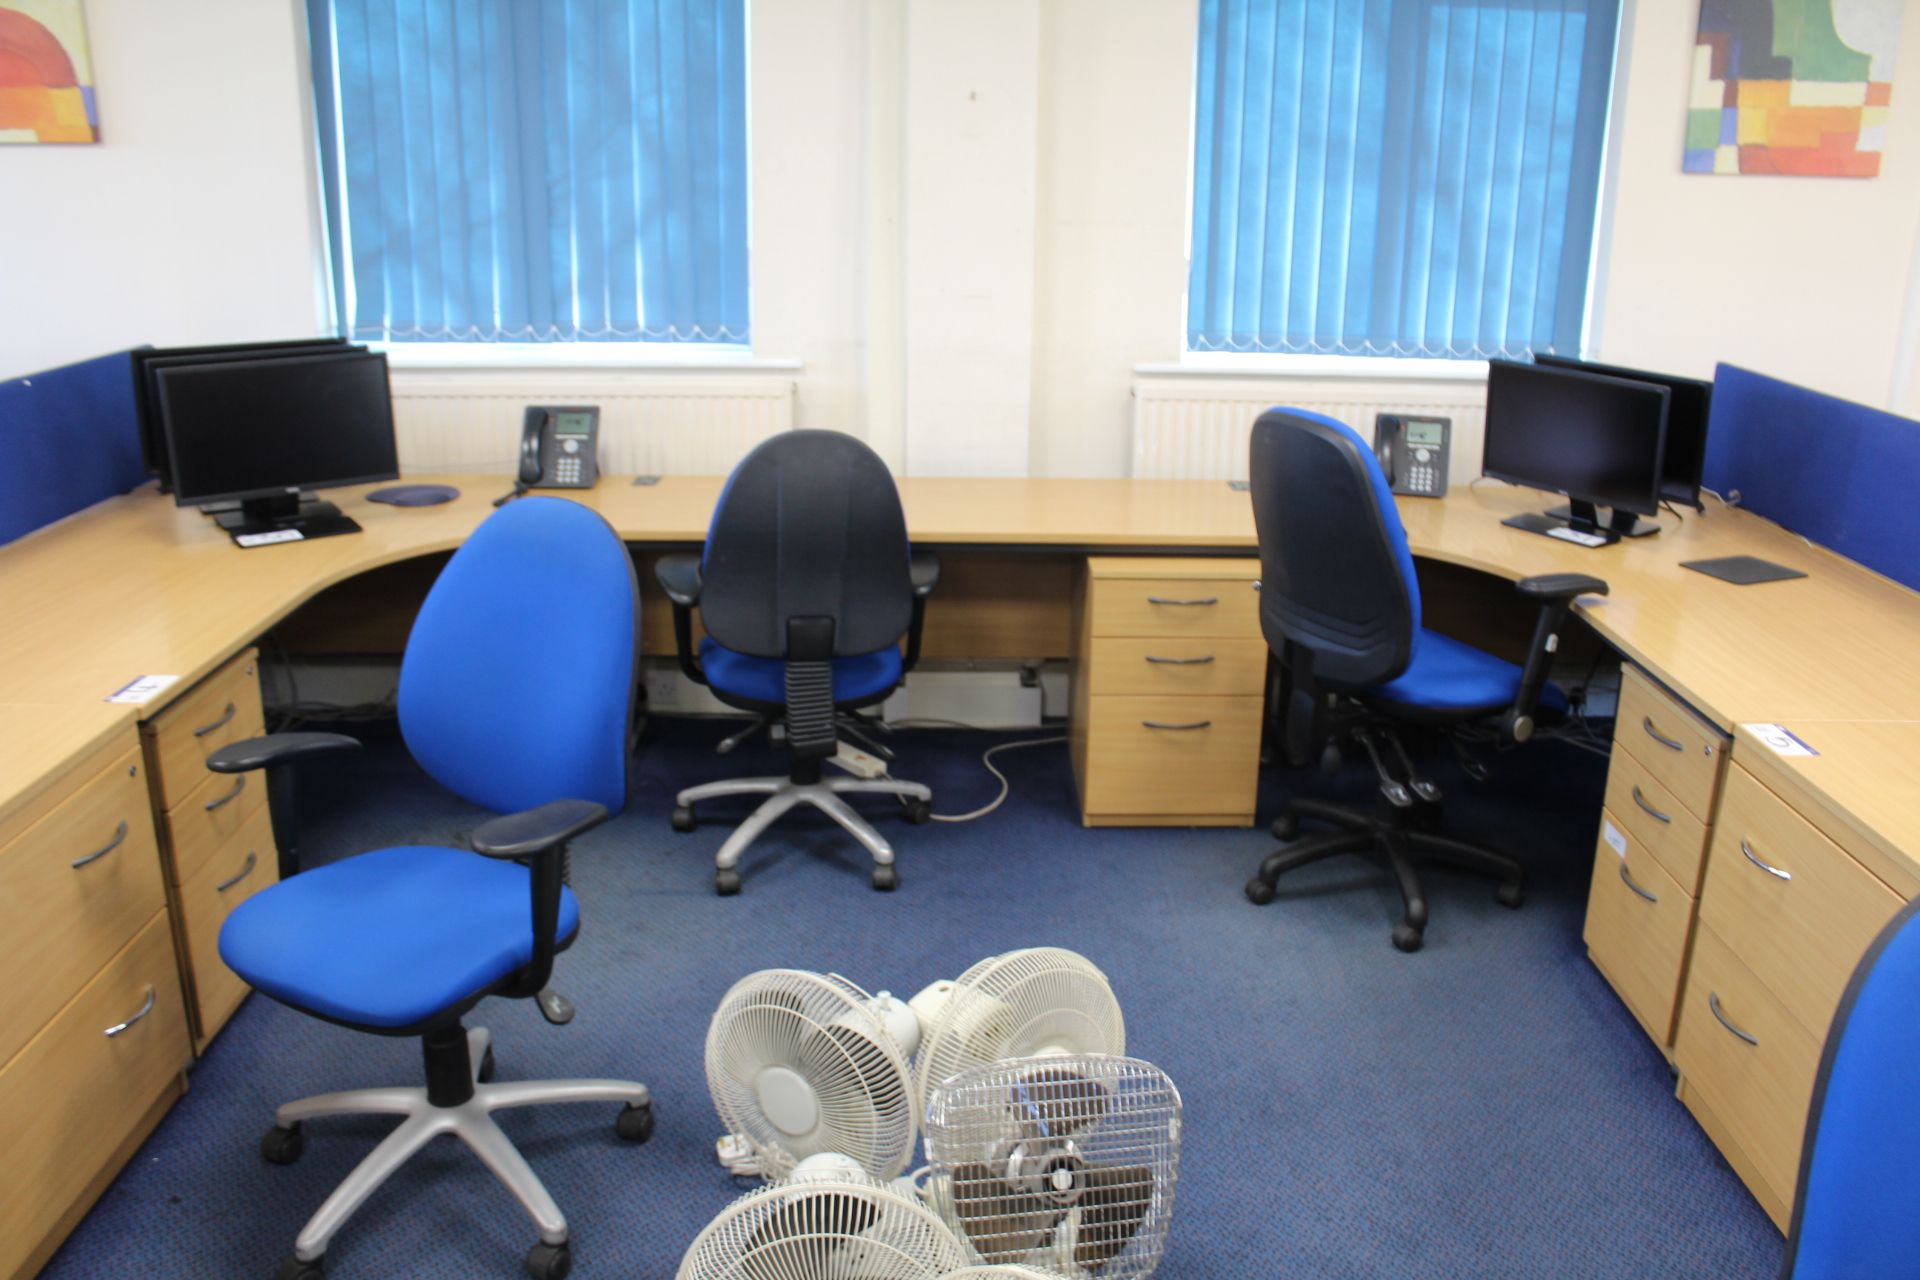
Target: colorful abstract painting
<point>1792,86</point>
<point>46,75</point>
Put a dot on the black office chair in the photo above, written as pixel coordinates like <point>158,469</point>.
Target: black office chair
<point>1340,606</point>
<point>805,588</point>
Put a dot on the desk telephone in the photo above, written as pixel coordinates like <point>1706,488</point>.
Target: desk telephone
<point>1413,453</point>
<point>560,447</point>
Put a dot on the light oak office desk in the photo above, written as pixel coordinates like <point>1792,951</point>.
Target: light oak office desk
<point>1034,569</point>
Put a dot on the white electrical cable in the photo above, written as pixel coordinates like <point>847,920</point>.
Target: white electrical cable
<point>986,758</point>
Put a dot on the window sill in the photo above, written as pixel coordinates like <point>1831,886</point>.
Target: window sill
<point>635,357</point>
<point>1208,364</point>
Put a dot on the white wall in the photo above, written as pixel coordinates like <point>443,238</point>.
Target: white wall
<point>193,219</point>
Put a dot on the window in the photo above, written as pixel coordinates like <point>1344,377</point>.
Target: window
<point>1397,177</point>
<point>534,170</point>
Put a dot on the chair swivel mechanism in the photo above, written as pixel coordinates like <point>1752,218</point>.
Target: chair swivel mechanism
<point>805,588</point>
<point>1340,607</point>
<point>516,693</point>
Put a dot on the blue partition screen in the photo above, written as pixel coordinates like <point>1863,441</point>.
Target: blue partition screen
<point>71,437</point>
<point>1836,472</point>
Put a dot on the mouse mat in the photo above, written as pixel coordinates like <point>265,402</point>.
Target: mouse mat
<point>1742,570</point>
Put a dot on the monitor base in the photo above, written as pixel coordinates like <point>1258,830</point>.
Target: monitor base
<point>1545,523</point>
<point>308,516</point>
<point>1624,523</point>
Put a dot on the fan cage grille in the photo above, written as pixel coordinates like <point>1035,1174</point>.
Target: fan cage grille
<point>829,1228</point>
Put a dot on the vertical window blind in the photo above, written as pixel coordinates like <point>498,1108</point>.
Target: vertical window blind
<point>1397,177</point>
<point>534,170</point>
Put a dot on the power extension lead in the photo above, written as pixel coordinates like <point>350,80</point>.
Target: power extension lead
<point>857,762</point>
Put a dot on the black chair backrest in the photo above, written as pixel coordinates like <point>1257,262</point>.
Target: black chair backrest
<point>808,526</point>
<point>1336,575</point>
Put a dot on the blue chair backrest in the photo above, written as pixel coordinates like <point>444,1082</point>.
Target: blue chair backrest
<point>808,525</point>
<point>518,681</point>
<point>1858,1211</point>
<point>1336,574</point>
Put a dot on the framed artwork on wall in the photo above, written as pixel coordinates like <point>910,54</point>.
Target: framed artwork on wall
<point>46,73</point>
<point>1792,86</point>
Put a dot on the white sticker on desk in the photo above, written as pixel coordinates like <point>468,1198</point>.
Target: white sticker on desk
<point>143,690</point>
<point>1780,740</point>
<point>268,538</point>
<point>1614,837</point>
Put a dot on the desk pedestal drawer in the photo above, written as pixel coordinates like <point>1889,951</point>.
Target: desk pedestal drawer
<point>241,868</point>
<point>1175,606</point>
<point>1683,753</point>
<point>208,817</point>
<point>1741,1053</point>
<point>1638,919</point>
<point>72,1098</point>
<point>1192,758</point>
<point>1667,830</point>
<point>223,708</point>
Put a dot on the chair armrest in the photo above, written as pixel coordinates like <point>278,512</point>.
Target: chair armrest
<point>924,568</point>
<point>1550,587</point>
<point>275,749</point>
<point>679,577</point>
<point>533,832</point>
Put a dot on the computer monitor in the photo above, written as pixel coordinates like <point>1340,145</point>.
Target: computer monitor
<point>146,398</point>
<point>261,431</point>
<point>1598,440</point>
<point>1688,404</point>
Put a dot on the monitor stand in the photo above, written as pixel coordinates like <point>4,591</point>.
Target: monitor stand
<point>283,513</point>
<point>1625,523</point>
<point>1581,519</point>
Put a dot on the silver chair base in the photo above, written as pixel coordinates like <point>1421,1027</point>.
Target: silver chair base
<point>472,1122</point>
<point>784,793</point>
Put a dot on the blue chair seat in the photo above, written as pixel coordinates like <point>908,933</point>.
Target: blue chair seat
<point>1446,675</point>
<point>855,679</point>
<point>390,938</point>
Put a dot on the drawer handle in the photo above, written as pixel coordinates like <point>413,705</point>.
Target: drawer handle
<point>206,729</point>
<point>239,785</point>
<point>252,860</point>
<point>1631,885</point>
<point>145,1009</point>
<point>1766,867</point>
<point>118,835</point>
<point>1201,602</point>
<point>1161,724</point>
<point>1713,1003</point>
<point>1646,722</point>
<point>1180,662</point>
<point>1651,811</point>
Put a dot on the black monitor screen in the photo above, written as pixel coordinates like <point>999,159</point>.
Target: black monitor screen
<point>146,392</point>
<point>261,427</point>
<point>1592,438</point>
<point>1689,401</point>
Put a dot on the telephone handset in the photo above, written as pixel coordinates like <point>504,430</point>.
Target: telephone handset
<point>559,447</point>
<point>1413,453</point>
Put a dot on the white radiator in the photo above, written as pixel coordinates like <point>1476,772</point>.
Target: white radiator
<point>1187,429</point>
<point>452,421</point>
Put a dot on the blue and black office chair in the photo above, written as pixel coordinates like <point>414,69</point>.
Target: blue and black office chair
<point>516,693</point>
<point>805,589</point>
<point>1340,607</point>
<point>1860,1164</point>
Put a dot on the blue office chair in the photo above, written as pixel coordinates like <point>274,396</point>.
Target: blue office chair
<point>1340,607</point>
<point>1859,1167</point>
<point>516,693</point>
<point>805,588</point>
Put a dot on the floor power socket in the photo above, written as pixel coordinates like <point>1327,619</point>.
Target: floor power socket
<point>860,764</point>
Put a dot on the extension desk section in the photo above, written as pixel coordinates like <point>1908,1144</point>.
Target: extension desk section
<point>93,1030</point>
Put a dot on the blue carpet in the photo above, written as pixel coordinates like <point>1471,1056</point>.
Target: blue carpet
<point>1486,1108</point>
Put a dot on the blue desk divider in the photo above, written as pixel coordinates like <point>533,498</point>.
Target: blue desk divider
<point>70,437</point>
<point>1839,473</point>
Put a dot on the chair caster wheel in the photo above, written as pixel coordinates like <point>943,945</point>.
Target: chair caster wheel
<point>294,1269</point>
<point>683,819</point>
<point>1406,937</point>
<point>1286,826</point>
<point>485,1074</point>
<point>634,1124</point>
<point>885,879</point>
<point>283,1146</point>
<point>1259,892</point>
<point>1509,893</point>
<point>1330,759</point>
<point>726,882</point>
<point>549,1262</point>
<point>919,812</point>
